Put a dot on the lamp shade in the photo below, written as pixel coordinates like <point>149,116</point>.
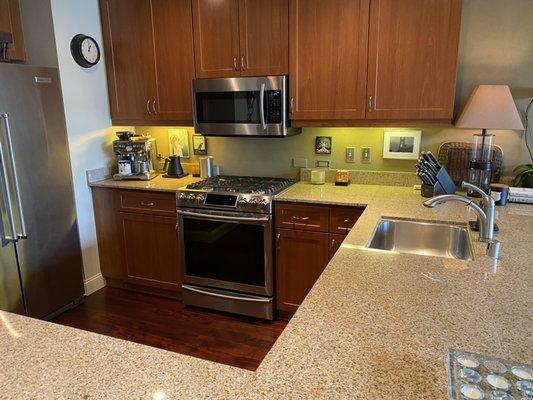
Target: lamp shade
<point>490,107</point>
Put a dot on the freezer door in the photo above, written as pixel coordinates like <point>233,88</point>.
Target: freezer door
<point>33,133</point>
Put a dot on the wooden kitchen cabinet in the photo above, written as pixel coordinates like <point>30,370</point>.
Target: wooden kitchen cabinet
<point>137,242</point>
<point>10,21</point>
<point>150,250</point>
<point>304,246</point>
<point>412,58</point>
<point>216,38</point>
<point>264,37</point>
<point>301,256</point>
<point>328,59</point>
<point>240,37</point>
<point>149,59</point>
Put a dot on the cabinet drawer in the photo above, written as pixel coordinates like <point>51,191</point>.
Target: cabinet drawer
<point>342,219</point>
<point>302,216</point>
<point>147,202</point>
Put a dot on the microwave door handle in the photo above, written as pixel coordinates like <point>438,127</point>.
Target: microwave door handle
<point>262,105</point>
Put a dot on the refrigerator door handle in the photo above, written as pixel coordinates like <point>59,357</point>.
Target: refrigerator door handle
<point>23,233</point>
<point>7,199</point>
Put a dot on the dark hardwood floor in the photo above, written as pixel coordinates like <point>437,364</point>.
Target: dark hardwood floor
<point>165,323</point>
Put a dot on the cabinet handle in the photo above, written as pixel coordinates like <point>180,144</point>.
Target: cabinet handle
<point>148,107</point>
<point>370,103</point>
<point>235,66</point>
<point>333,244</point>
<point>153,106</point>
<point>291,106</point>
<point>300,218</point>
<point>243,63</point>
<point>147,204</point>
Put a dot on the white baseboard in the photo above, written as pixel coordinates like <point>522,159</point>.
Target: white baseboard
<point>93,284</point>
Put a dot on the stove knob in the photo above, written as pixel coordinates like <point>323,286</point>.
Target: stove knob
<point>255,201</point>
<point>182,196</point>
<point>191,197</point>
<point>243,201</point>
<point>200,198</point>
<point>263,202</point>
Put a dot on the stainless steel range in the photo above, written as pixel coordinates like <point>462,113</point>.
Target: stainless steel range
<point>225,225</point>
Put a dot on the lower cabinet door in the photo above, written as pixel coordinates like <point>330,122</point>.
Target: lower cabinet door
<point>301,256</point>
<point>335,242</point>
<point>151,256</point>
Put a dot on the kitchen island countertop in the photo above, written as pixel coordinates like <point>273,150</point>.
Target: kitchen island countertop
<point>376,325</point>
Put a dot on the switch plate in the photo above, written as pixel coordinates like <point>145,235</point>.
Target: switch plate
<point>299,162</point>
<point>350,154</point>
<point>366,155</point>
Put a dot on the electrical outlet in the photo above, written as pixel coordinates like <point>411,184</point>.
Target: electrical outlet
<point>323,163</point>
<point>350,154</point>
<point>366,155</point>
<point>299,162</point>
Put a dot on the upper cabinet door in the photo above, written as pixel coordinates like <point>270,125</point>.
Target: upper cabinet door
<point>10,22</point>
<point>412,58</point>
<point>264,37</point>
<point>130,62</point>
<point>173,43</point>
<point>328,58</point>
<point>216,38</point>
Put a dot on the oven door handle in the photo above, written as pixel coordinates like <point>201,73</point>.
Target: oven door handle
<point>224,217</point>
<point>262,105</point>
<point>225,296</point>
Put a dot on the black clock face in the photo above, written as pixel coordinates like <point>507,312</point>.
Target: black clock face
<point>85,50</point>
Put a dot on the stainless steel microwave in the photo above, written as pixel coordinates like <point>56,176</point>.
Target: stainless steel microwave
<point>252,106</point>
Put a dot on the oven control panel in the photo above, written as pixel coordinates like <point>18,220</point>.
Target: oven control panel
<point>227,201</point>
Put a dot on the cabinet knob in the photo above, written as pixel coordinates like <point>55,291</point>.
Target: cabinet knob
<point>235,66</point>
<point>147,204</point>
<point>346,221</point>
<point>243,63</point>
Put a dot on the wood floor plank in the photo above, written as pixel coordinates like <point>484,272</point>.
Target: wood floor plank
<point>167,324</point>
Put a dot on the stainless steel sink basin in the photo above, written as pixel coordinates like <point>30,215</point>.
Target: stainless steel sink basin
<point>424,238</point>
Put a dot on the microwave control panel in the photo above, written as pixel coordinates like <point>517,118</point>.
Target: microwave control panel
<point>273,104</point>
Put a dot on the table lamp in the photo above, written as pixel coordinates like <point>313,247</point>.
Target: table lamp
<point>487,107</point>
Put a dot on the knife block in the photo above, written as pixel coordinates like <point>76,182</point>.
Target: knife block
<point>444,185</point>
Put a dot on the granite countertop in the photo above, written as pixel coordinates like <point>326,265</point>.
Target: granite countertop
<point>376,325</point>
<point>158,184</point>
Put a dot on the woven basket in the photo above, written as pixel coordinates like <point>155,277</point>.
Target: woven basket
<point>455,156</point>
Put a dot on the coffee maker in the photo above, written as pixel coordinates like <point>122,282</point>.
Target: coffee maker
<point>136,157</point>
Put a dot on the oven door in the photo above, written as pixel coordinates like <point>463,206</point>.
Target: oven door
<point>226,250</point>
<point>254,106</point>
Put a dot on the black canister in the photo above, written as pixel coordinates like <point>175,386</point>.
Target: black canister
<point>500,193</point>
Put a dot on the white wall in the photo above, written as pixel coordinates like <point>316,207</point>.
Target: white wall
<point>88,119</point>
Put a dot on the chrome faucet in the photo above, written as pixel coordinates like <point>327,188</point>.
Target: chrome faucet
<point>485,211</point>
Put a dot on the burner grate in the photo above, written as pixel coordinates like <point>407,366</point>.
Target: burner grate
<point>242,184</point>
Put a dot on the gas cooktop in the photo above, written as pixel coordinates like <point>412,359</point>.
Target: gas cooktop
<point>242,184</point>
<point>232,193</point>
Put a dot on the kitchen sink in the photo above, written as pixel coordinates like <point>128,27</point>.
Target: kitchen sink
<point>421,237</point>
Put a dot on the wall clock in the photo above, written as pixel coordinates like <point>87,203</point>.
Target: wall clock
<point>85,50</point>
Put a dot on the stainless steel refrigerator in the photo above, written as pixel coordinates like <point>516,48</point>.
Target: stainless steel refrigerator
<point>40,254</point>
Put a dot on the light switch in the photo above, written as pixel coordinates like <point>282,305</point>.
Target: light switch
<point>366,155</point>
<point>350,154</point>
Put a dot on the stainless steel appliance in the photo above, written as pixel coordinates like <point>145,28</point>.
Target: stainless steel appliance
<point>225,225</point>
<point>40,255</point>
<point>136,158</point>
<point>254,106</point>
